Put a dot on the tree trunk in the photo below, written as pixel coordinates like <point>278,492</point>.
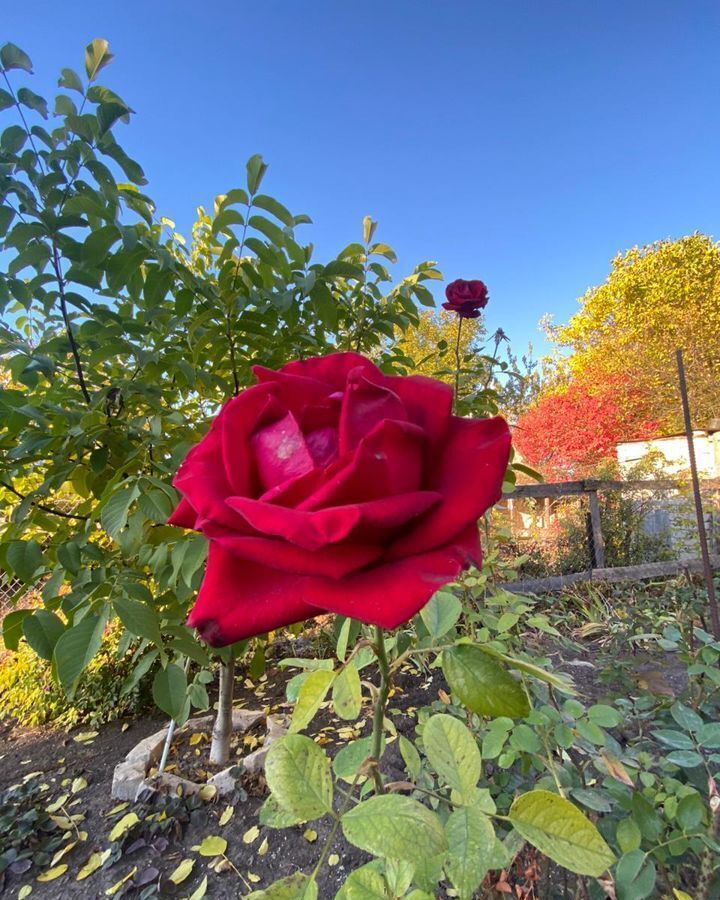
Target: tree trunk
<point>223,728</point>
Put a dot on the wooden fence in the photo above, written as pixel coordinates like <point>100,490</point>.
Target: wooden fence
<point>598,570</point>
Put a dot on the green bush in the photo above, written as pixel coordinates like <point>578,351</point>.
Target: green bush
<point>29,694</point>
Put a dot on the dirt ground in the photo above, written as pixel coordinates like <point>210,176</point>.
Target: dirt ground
<point>154,852</point>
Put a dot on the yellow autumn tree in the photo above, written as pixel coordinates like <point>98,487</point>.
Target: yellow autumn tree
<point>656,299</point>
<point>431,344</point>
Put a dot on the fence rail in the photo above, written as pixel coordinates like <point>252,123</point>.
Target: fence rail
<point>598,571</point>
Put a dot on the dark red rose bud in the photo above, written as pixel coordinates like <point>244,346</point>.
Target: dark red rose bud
<point>466,298</point>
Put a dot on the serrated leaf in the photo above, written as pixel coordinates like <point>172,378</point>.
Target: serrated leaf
<point>453,752</point>
<point>312,693</point>
<point>558,829</point>
<point>482,684</point>
<point>298,774</point>
<point>395,826</point>
<point>347,692</point>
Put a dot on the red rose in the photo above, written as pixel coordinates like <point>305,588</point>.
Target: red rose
<point>330,487</point>
<point>466,298</point>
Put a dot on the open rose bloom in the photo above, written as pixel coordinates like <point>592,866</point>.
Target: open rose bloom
<point>331,487</point>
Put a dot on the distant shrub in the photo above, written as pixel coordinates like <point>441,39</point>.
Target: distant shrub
<point>29,694</point>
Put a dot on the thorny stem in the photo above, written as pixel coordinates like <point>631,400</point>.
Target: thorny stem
<point>380,703</point>
<point>457,363</point>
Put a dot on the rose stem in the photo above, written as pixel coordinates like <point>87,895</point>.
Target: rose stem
<point>457,363</point>
<point>380,702</point>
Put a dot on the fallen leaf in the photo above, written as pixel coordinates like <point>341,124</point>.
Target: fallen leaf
<point>182,871</point>
<point>85,737</point>
<point>212,846</point>
<point>79,784</point>
<point>93,864</point>
<point>310,835</point>
<point>253,877</point>
<point>59,855</point>
<point>207,792</point>
<point>200,890</point>
<point>263,848</point>
<point>251,834</point>
<point>116,809</point>
<point>24,891</point>
<point>53,873</point>
<point>123,826</point>
<point>111,891</point>
<point>227,814</point>
<point>333,859</point>
<point>58,804</point>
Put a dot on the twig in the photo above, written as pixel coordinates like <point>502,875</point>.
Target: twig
<point>42,506</point>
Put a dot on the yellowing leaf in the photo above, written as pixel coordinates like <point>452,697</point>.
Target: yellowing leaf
<point>24,891</point>
<point>116,809</point>
<point>196,738</point>
<point>200,890</point>
<point>182,871</point>
<point>263,848</point>
<point>207,792</point>
<point>111,891</point>
<point>53,873</point>
<point>85,737</point>
<point>212,846</point>
<point>227,814</point>
<point>58,804</point>
<point>59,855</point>
<point>333,859</point>
<point>93,864</point>
<point>123,826</point>
<point>79,784</point>
<point>251,835</point>
<point>253,877</point>
<point>310,835</point>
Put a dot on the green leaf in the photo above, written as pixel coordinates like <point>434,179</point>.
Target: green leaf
<point>42,631</point>
<point>635,876</point>
<point>311,695</point>
<point>347,694</point>
<point>13,628</point>
<point>212,846</point>
<point>561,682</point>
<point>256,169</point>
<point>294,887</point>
<point>97,56</point>
<point>12,57</point>
<point>350,757</point>
<point>628,835</point>
<point>108,114</point>
<point>273,815</point>
<point>558,829</point>
<point>365,883</point>
<point>690,811</point>
<point>440,613</point>
<point>685,717</point>
<point>170,690</point>
<point>604,716</point>
<point>75,648</point>
<point>24,558</point>
<point>481,684</point>
<point>453,752</point>
<point>114,513</point>
<point>139,618</point>
<point>33,101</point>
<point>225,219</point>
<point>6,100</point>
<point>269,204</point>
<point>298,774</point>
<point>471,838</point>
<point>13,139</point>
<point>686,759</point>
<point>393,826</point>
<point>70,80</point>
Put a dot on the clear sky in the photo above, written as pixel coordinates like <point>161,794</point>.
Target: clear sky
<point>523,142</point>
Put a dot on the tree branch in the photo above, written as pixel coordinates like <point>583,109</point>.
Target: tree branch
<point>66,319</point>
<point>42,506</point>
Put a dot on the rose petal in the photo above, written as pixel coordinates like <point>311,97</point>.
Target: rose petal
<point>390,594</point>
<point>184,515</point>
<point>322,444</point>
<point>239,599</point>
<point>332,561</point>
<point>333,369</point>
<point>202,481</point>
<point>295,392</point>
<point>238,420</point>
<point>366,405</point>
<point>310,530</point>
<point>280,452</point>
<point>386,462</point>
<point>428,403</point>
<point>469,474</point>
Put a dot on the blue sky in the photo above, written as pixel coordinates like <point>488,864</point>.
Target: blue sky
<point>517,141</point>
